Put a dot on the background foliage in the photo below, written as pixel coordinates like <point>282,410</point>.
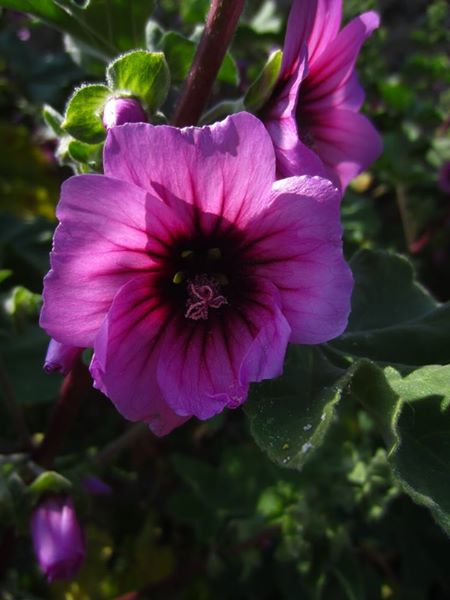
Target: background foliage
<point>362,423</point>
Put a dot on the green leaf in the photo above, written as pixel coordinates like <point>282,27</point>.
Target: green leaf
<point>394,319</point>
<point>24,353</point>
<point>104,27</point>
<point>4,274</point>
<point>83,118</point>
<point>267,19</point>
<point>22,304</point>
<point>87,154</point>
<point>53,119</point>
<point>153,35</point>
<point>179,52</point>
<point>421,455</point>
<point>386,292</point>
<point>290,416</point>
<point>142,74</point>
<point>414,417</point>
<point>194,11</point>
<point>49,482</point>
<point>397,94</point>
<point>360,219</point>
<point>261,89</point>
<point>50,13</point>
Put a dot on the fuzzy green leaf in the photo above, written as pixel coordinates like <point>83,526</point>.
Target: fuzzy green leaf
<point>83,118</point>
<point>142,74</point>
<point>53,119</point>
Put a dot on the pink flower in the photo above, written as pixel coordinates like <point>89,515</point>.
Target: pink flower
<point>119,111</point>
<point>60,358</point>
<point>313,115</point>
<point>96,486</point>
<point>58,541</point>
<point>188,269</point>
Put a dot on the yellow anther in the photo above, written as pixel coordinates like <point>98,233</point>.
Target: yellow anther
<point>186,253</point>
<point>214,253</point>
<point>179,277</point>
<point>221,278</point>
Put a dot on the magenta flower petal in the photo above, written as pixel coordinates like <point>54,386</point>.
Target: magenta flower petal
<point>202,369</point>
<point>127,349</point>
<point>99,245</point>
<point>280,119</point>
<point>347,142</point>
<point>327,23</point>
<point>298,245</point>
<point>96,486</point>
<point>298,31</point>
<point>190,284</point>
<point>60,358</point>
<point>213,169</point>
<point>58,540</point>
<point>292,155</point>
<point>335,65</point>
<point>326,82</point>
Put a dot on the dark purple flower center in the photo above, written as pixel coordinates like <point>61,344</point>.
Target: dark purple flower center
<point>206,274</point>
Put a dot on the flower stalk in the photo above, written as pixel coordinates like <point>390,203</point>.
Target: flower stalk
<point>220,25</point>
<point>73,390</point>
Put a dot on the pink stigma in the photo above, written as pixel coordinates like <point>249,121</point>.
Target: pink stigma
<point>203,294</point>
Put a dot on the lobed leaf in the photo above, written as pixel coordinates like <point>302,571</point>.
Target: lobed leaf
<point>394,319</point>
<point>142,74</point>
<point>83,118</point>
<point>413,414</point>
<point>290,416</point>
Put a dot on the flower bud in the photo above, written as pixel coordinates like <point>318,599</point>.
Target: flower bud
<point>60,358</point>
<point>118,111</point>
<point>58,541</point>
<point>95,486</point>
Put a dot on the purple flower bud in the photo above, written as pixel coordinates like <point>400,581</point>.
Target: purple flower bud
<point>60,358</point>
<point>58,541</point>
<point>95,486</point>
<point>118,111</point>
<point>444,177</point>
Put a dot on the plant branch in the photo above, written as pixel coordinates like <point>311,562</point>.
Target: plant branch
<point>223,17</point>
<point>73,390</point>
<point>124,441</point>
<point>405,215</point>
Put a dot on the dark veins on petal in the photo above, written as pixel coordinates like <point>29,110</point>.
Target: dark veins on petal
<point>205,275</point>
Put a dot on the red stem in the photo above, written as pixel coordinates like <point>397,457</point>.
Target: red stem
<point>73,390</point>
<point>223,17</point>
